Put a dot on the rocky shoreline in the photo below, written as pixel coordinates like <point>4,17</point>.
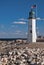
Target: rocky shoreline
<point>23,56</point>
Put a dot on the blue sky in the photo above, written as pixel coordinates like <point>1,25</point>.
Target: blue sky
<point>12,14</point>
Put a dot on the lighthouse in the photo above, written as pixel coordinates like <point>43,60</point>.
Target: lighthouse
<point>31,27</point>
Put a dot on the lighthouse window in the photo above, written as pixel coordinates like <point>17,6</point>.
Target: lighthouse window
<point>31,26</point>
<point>30,31</point>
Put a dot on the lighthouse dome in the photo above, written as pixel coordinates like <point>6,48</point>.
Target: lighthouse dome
<point>31,14</point>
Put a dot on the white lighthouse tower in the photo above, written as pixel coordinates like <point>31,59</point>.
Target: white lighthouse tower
<point>31,27</point>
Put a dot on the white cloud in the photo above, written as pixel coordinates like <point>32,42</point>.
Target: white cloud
<point>20,22</point>
<point>10,33</point>
<point>22,19</point>
<point>18,31</point>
